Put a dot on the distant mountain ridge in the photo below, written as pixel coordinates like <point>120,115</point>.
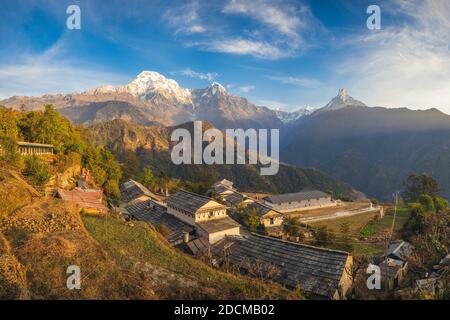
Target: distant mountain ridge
<point>354,143</point>
<point>372,148</point>
<point>152,98</point>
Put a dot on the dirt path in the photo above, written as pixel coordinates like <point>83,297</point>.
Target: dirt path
<point>338,214</point>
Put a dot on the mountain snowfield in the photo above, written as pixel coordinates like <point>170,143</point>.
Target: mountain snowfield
<point>146,85</point>
<point>153,98</point>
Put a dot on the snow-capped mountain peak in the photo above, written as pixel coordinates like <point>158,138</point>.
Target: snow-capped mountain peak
<point>342,100</point>
<point>288,117</point>
<point>343,94</point>
<point>216,87</point>
<point>146,85</point>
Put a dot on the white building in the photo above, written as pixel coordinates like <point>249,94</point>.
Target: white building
<point>207,215</point>
<point>306,200</point>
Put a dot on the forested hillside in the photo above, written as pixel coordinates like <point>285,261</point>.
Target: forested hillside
<point>150,147</point>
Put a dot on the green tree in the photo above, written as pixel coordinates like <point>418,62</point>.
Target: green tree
<point>110,165</point>
<point>420,184</point>
<point>38,170</point>
<point>206,176</point>
<point>112,190</point>
<point>147,178</point>
<point>253,221</point>
<point>248,217</point>
<point>417,218</point>
<point>440,204</point>
<point>345,237</point>
<point>131,164</point>
<point>291,226</point>
<point>100,176</point>
<point>323,236</point>
<point>8,123</point>
<point>9,152</point>
<point>427,202</point>
<point>51,127</point>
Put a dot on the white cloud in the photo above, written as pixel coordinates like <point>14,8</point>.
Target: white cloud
<point>268,13</point>
<point>36,75</point>
<point>185,19</point>
<point>209,76</point>
<point>269,30</point>
<point>246,89</point>
<point>404,66</point>
<point>241,46</point>
<point>301,82</point>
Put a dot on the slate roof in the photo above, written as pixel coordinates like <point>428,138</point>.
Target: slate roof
<point>261,209</point>
<point>220,189</point>
<point>189,202</point>
<point>295,197</point>
<point>32,144</point>
<point>400,250</point>
<point>131,190</point>
<point>195,247</point>
<point>216,225</point>
<point>156,214</point>
<point>318,271</point>
<point>235,198</point>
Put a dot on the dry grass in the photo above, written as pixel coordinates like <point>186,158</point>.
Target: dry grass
<point>14,193</point>
<point>12,274</point>
<point>355,222</point>
<point>45,238</point>
<point>40,238</point>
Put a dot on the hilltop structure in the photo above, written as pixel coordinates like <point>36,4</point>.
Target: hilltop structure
<point>29,148</point>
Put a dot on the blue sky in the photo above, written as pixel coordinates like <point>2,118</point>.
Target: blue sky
<point>284,54</point>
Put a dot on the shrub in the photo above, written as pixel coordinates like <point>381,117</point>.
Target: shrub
<point>427,202</point>
<point>368,230</point>
<point>9,152</point>
<point>440,204</point>
<point>112,190</point>
<point>38,170</point>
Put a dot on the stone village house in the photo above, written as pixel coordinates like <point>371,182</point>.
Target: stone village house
<point>208,216</point>
<point>306,200</point>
